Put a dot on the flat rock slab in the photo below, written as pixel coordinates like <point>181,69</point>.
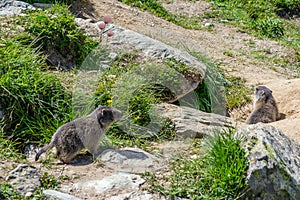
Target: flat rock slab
<point>191,122</point>
<point>119,180</point>
<point>274,163</point>
<point>132,160</point>
<point>133,196</point>
<point>56,195</point>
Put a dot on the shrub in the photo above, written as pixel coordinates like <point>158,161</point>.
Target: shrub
<point>270,27</point>
<point>34,103</point>
<point>287,8</point>
<point>14,56</point>
<point>55,31</point>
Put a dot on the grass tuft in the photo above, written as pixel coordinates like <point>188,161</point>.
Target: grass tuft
<point>217,173</point>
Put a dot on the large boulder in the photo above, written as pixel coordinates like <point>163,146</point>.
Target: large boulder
<point>11,7</point>
<point>190,122</point>
<point>274,163</point>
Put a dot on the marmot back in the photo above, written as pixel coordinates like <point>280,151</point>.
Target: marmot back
<point>264,107</point>
<point>85,132</point>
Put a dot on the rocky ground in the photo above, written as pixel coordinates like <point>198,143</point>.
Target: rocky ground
<point>213,44</point>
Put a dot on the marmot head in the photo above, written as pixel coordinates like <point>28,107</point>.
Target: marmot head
<point>106,115</point>
<point>262,93</point>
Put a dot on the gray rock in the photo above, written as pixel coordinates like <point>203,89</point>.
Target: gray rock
<point>129,159</point>
<point>119,180</point>
<point>209,24</point>
<point>155,48</point>
<point>11,7</point>
<point>191,122</point>
<point>25,179</point>
<point>56,195</point>
<point>128,39</point>
<point>133,196</point>
<point>274,163</point>
<point>42,5</point>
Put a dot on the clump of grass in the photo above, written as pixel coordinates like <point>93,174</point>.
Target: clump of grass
<point>8,150</point>
<point>55,32</point>
<point>33,102</point>
<point>34,105</point>
<point>237,94</point>
<point>218,173</point>
<point>15,56</point>
<point>8,192</point>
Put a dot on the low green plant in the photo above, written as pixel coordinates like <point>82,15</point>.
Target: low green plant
<point>49,181</point>
<point>8,150</point>
<point>270,27</point>
<point>7,192</point>
<point>218,172</point>
<point>237,94</point>
<point>55,32</point>
<point>16,56</point>
<point>35,104</point>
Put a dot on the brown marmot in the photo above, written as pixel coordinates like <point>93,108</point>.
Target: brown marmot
<point>265,109</point>
<point>85,132</point>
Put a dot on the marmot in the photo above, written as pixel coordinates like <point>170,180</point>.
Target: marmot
<point>85,132</point>
<point>265,108</point>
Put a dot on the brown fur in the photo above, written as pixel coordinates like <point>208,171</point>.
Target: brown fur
<point>85,132</point>
<point>265,107</point>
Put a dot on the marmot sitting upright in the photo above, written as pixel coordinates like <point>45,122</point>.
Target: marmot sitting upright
<point>85,132</point>
<point>265,109</point>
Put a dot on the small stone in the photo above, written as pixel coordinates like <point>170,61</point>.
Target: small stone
<point>209,24</point>
<point>56,195</point>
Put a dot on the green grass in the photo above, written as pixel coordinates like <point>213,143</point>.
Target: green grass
<point>134,87</point>
<point>261,18</point>
<point>217,172</point>
<point>54,31</point>
<point>264,19</point>
<point>154,7</point>
<point>34,101</point>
